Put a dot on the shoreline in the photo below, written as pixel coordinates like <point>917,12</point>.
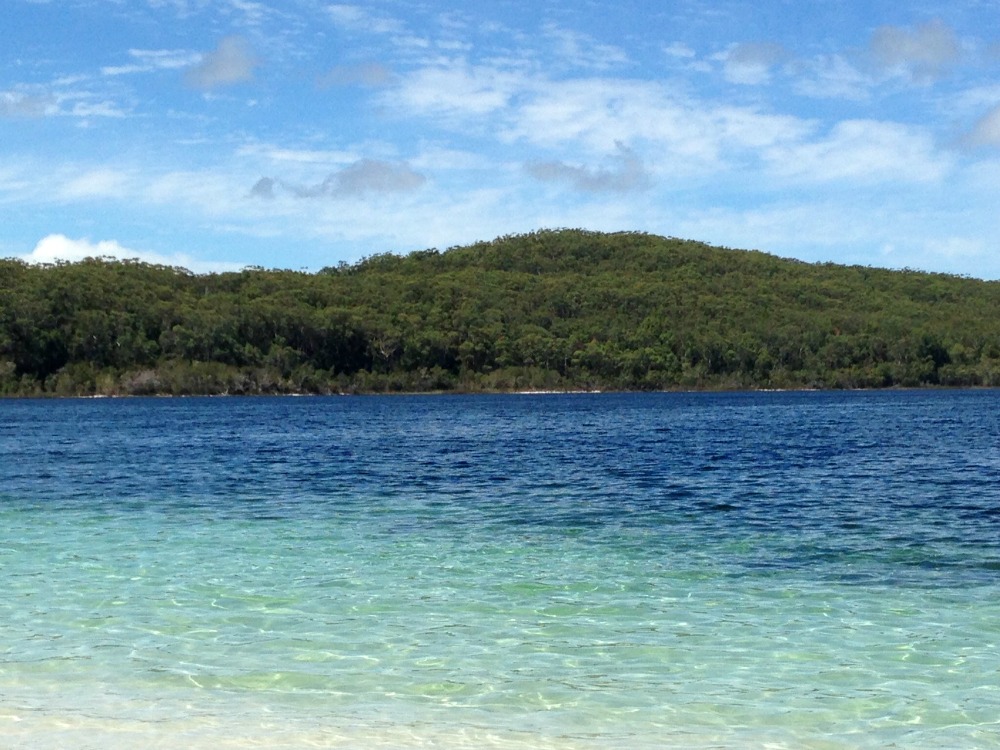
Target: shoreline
<point>500,392</point>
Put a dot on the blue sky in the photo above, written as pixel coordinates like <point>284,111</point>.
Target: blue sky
<point>216,134</point>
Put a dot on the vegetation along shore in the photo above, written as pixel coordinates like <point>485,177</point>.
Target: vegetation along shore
<point>551,310</point>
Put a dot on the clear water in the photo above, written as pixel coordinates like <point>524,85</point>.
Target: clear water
<point>783,570</point>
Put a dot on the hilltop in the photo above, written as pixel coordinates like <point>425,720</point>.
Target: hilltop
<point>566,309</point>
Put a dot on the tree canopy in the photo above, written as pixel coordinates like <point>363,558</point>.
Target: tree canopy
<point>566,309</point>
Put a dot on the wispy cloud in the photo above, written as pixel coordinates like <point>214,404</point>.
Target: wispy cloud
<point>359,18</point>
<point>232,62</point>
<point>831,77</point>
<point>145,61</point>
<point>679,50</point>
<point>55,101</point>
<point>862,152</point>
<point>284,156</point>
<point>454,89</point>
<point>752,63</point>
<point>689,134</point>
<point>579,50</point>
<point>88,109</point>
<point>253,13</point>
<point>95,183</point>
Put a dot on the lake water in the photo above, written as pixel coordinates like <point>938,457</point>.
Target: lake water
<point>782,570</point>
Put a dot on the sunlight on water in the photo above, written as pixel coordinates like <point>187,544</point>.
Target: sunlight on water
<point>600,574</point>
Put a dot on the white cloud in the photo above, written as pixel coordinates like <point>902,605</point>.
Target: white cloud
<point>58,247</point>
<point>744,128</point>
<point>862,151</point>
<point>455,89</point>
<point>97,183</point>
<point>230,63</point>
<point>751,64</point>
<point>690,136</point>
<point>597,112</point>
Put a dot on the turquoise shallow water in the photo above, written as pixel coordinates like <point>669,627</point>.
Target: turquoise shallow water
<point>691,571</point>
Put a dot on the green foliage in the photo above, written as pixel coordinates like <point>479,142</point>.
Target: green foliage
<point>564,309</point>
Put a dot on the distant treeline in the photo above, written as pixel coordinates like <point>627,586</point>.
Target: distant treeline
<point>550,310</point>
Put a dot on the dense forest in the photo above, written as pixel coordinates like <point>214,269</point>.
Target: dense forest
<point>564,309</point>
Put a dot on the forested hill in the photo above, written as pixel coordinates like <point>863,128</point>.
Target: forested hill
<point>549,310</point>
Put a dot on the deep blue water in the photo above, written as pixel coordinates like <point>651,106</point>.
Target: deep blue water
<point>802,569</point>
<point>903,479</point>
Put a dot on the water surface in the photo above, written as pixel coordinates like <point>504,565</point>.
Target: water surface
<point>800,570</point>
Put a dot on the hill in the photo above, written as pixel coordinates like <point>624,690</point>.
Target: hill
<point>547,310</point>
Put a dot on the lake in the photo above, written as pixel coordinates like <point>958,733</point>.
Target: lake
<point>784,570</point>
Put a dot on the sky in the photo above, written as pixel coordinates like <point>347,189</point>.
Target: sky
<point>218,134</point>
